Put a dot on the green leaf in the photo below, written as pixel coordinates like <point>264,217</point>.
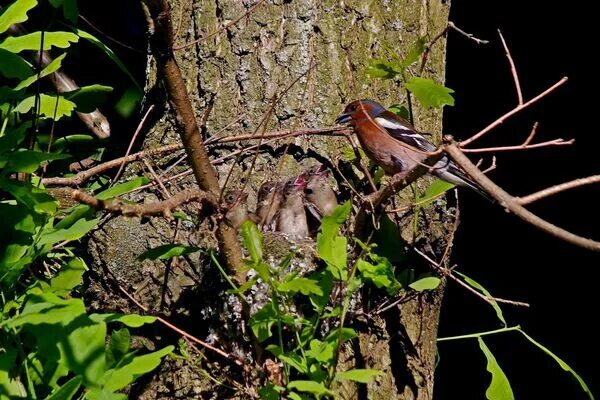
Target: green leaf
<point>29,161</point>
<point>252,241</point>
<point>271,392</point>
<point>68,390</point>
<point>347,334</point>
<point>358,375</point>
<point>88,97</point>
<point>262,322</point>
<point>111,54</point>
<point>32,41</point>
<point>47,308</point>
<point>291,359</point>
<point>70,276</point>
<point>118,346</point>
<point>127,103</point>
<point>70,9</point>
<point>54,107</point>
<point>321,351</point>
<point>429,93</point>
<point>303,285</point>
<point>49,69</point>
<point>34,198</point>
<point>383,69</point>
<point>400,110</point>
<point>74,232</point>
<point>475,285</point>
<point>10,386</point>
<point>122,188</point>
<point>427,283</point>
<point>499,388</point>
<point>434,190</point>
<point>316,388</point>
<point>13,65</point>
<point>95,393</point>
<point>331,247</point>
<point>167,251</point>
<point>15,13</point>
<point>414,53</point>
<point>130,320</point>
<point>381,274</point>
<point>116,379</point>
<point>562,364</point>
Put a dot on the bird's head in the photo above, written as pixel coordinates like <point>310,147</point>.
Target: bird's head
<point>295,185</point>
<point>235,197</point>
<point>359,109</point>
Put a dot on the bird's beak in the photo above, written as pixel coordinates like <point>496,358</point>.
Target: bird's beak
<point>342,119</point>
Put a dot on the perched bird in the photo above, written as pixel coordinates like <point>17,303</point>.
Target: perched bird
<point>291,219</point>
<point>384,136</point>
<point>269,200</point>
<point>318,190</point>
<point>237,208</point>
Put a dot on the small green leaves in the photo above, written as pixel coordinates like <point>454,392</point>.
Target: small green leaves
<point>475,285</point>
<point>167,251</point>
<point>316,388</point>
<point>426,283</point>
<point>380,273</point>
<point>330,245</point>
<point>262,321</point>
<point>54,107</point>
<point>15,13</point>
<point>252,241</point>
<point>429,93</point>
<point>303,285</point>
<point>415,52</point>
<point>33,41</point>
<point>383,69</point>
<point>499,388</point>
<point>358,375</point>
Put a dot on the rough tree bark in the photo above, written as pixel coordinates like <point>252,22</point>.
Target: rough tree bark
<point>238,72</point>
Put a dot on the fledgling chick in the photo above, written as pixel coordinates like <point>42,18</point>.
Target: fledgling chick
<point>318,190</point>
<point>269,200</point>
<point>237,213</point>
<point>292,217</point>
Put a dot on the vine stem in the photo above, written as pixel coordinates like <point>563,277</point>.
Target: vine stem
<point>480,334</point>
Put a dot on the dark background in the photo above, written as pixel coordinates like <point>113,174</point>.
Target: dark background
<point>510,258</point>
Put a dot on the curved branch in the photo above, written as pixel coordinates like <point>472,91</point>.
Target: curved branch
<point>552,190</point>
<point>511,203</point>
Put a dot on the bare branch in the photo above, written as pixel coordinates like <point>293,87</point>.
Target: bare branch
<point>511,203</point>
<point>162,208</point>
<point>513,69</point>
<point>466,34</point>
<point>531,198</point>
<point>512,112</point>
<point>549,143</point>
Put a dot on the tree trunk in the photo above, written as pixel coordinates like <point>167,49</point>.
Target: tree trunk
<point>308,58</point>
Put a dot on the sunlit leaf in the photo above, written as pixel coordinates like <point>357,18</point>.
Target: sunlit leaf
<point>51,68</point>
<point>316,388</point>
<point>32,41</point>
<point>29,161</point>
<point>252,241</point>
<point>358,375</point>
<point>475,285</point>
<point>74,232</point>
<point>303,285</point>
<point>70,276</point>
<point>434,191</point>
<point>499,388</point>
<point>415,52</point>
<point>167,251</point>
<point>262,321</point>
<point>122,188</point>
<point>68,390</point>
<point>427,283</point>
<point>54,107</point>
<point>130,320</point>
<point>15,13</point>
<point>562,364</point>
<point>429,93</point>
<point>383,69</point>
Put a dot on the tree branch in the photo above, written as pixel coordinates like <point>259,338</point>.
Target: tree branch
<point>511,203</point>
<point>531,198</point>
<point>162,208</point>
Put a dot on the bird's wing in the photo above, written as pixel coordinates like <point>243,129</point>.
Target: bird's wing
<point>402,130</point>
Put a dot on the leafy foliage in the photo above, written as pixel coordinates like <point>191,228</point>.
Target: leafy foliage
<point>50,347</point>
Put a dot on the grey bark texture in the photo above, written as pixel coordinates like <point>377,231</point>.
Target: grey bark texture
<point>325,46</point>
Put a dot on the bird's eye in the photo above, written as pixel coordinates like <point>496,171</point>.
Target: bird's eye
<point>352,108</point>
<point>308,191</point>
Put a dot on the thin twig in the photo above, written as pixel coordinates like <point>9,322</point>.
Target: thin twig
<point>466,34</point>
<point>549,143</point>
<point>513,69</point>
<point>531,198</point>
<point>131,142</point>
<point>513,112</point>
<point>511,203</point>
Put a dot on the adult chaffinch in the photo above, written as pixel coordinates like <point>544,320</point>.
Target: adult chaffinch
<point>394,144</point>
<point>270,195</point>
<point>291,219</point>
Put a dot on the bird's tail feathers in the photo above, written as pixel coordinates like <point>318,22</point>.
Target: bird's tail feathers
<point>453,174</point>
